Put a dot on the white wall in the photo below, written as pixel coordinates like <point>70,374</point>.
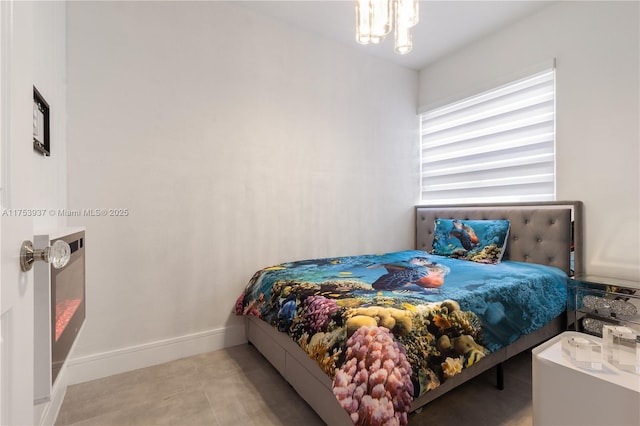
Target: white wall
<point>235,143</point>
<point>597,49</point>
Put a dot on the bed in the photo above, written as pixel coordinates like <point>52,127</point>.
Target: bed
<point>418,307</point>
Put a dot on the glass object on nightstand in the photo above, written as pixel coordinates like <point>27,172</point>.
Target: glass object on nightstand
<point>594,302</point>
<point>583,352</point>
<point>621,347</point>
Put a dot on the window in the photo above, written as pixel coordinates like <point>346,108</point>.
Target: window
<point>498,146</point>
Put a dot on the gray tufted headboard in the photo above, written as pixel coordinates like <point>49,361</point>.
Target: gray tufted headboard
<point>539,233</point>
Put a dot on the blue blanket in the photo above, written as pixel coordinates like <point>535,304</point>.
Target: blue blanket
<point>416,319</point>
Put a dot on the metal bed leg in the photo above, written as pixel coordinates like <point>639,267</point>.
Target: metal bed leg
<point>500,376</point>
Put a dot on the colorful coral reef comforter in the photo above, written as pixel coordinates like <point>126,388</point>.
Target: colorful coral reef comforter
<point>387,328</point>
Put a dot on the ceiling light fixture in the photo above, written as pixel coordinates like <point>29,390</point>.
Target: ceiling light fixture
<point>374,20</point>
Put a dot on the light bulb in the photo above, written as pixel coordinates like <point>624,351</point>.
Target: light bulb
<point>381,13</point>
<point>402,44</point>
<point>363,22</point>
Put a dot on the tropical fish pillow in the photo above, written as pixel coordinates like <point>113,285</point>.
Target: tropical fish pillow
<point>482,241</point>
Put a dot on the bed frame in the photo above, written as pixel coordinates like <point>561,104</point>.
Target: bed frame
<point>540,233</point>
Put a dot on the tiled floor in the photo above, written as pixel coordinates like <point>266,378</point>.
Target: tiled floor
<point>236,386</point>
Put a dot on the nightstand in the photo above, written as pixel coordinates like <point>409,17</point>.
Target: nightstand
<point>594,301</point>
<point>565,394</point>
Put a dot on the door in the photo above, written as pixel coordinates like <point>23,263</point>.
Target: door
<point>16,183</point>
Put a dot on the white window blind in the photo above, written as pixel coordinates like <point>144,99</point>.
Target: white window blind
<point>498,146</point>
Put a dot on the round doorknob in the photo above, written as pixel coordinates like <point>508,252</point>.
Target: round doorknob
<point>58,255</point>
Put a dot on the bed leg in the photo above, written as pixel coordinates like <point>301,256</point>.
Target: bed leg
<point>500,376</point>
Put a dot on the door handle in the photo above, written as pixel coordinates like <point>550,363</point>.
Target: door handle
<point>58,255</point>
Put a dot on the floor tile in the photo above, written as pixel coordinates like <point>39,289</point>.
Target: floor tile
<point>237,386</point>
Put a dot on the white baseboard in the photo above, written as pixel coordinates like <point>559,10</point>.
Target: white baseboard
<point>96,366</point>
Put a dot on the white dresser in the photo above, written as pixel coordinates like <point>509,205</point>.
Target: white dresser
<point>564,394</point>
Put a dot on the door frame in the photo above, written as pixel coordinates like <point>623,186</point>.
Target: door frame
<point>16,193</point>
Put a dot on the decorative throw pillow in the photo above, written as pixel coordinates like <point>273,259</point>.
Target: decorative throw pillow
<point>482,241</point>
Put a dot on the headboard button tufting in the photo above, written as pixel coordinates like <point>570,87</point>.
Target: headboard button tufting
<point>542,233</point>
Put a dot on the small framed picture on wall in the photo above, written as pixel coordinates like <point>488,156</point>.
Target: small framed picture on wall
<point>41,142</point>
